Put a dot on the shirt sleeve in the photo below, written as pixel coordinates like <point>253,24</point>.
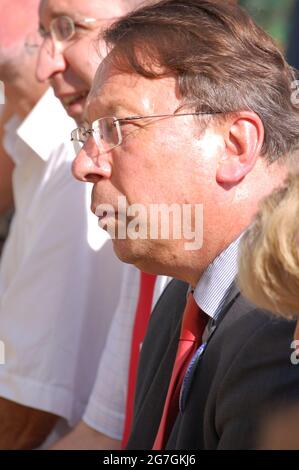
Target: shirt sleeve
<point>56,305</point>
<point>106,408</point>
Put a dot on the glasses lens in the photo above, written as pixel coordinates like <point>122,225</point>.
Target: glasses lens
<point>78,137</point>
<point>106,133</point>
<point>77,146</point>
<point>63,28</point>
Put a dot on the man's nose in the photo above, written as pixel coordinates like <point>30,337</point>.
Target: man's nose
<point>49,62</point>
<point>91,165</point>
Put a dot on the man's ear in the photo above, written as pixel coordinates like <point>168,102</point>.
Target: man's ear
<point>244,137</point>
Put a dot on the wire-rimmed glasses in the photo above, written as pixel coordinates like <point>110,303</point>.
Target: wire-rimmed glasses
<point>61,30</point>
<point>107,131</point>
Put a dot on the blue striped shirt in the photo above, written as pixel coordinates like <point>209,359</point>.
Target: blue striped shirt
<point>213,286</point>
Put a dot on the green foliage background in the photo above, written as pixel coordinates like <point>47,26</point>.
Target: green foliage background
<point>273,15</point>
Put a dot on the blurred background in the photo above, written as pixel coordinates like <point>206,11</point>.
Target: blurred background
<point>281,19</point>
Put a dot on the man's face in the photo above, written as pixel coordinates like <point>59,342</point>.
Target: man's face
<point>160,161</point>
<point>13,33</point>
<point>72,67</point>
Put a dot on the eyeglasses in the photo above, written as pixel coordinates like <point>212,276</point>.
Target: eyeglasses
<point>61,30</point>
<point>107,131</point>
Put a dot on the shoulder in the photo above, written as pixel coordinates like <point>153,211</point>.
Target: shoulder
<point>248,368</point>
<point>247,325</point>
<point>248,334</point>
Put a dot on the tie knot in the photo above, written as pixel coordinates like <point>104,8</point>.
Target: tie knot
<point>194,320</point>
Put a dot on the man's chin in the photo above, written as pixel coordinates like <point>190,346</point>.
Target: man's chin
<point>124,250</point>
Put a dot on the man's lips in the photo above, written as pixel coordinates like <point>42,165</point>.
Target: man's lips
<point>68,100</point>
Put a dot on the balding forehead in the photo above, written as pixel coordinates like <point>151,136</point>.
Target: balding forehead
<point>105,71</point>
<point>21,17</point>
<point>22,3</point>
<point>131,4</point>
<point>19,5</point>
<point>97,8</point>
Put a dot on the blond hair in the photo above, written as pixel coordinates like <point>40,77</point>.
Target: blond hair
<point>269,256</point>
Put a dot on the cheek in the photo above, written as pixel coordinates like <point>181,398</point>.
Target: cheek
<point>132,180</point>
<point>90,57</point>
<point>11,54</point>
<point>81,70</point>
<point>130,183</point>
<point>149,172</point>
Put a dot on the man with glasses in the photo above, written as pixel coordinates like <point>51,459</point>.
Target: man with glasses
<point>57,266</point>
<point>13,101</point>
<point>192,108</point>
<point>69,48</point>
<point>69,55</point>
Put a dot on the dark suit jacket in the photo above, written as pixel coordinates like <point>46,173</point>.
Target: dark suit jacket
<point>245,370</point>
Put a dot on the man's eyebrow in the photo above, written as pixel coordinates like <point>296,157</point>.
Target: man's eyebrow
<point>116,110</point>
<point>57,14</point>
<point>77,16</point>
<point>52,16</point>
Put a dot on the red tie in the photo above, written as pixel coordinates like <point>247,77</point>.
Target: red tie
<point>193,325</point>
<point>143,311</point>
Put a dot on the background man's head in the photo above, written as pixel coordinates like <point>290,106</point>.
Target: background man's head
<point>19,20</point>
<point>70,65</point>
<point>190,56</point>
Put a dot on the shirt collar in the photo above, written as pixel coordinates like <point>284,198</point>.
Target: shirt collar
<point>215,283</point>
<point>9,139</point>
<point>46,126</point>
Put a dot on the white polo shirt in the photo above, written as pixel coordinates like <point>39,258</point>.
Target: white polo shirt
<point>59,277</point>
<point>106,408</point>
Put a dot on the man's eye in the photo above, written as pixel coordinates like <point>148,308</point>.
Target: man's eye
<point>79,28</point>
<point>130,125</point>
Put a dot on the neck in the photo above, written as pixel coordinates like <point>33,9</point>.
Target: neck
<point>22,103</point>
<point>23,95</point>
